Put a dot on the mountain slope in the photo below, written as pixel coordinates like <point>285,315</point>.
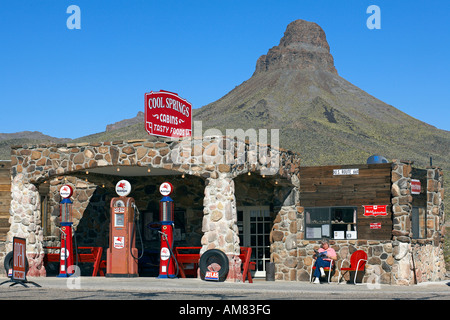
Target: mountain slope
<point>24,137</point>
<point>296,88</point>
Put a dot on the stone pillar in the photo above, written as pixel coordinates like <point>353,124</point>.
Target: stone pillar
<point>220,222</point>
<point>435,204</point>
<point>285,237</point>
<point>25,220</point>
<point>402,271</point>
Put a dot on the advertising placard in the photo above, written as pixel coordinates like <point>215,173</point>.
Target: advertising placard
<point>66,191</point>
<point>119,242</point>
<point>415,186</point>
<point>212,275</point>
<point>19,259</point>
<point>375,225</point>
<point>167,115</point>
<point>375,210</point>
<point>123,188</point>
<point>166,189</point>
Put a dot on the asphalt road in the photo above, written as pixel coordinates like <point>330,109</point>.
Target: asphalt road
<point>100,288</point>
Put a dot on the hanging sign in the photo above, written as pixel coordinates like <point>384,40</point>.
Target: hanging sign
<point>415,186</point>
<point>167,115</point>
<point>375,210</point>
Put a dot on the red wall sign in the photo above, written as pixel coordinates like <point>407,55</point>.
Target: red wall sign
<point>375,225</point>
<point>375,210</point>
<point>415,186</point>
<point>167,115</point>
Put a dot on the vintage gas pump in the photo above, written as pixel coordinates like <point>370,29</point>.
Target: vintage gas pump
<point>122,255</point>
<point>166,217</point>
<point>66,251</point>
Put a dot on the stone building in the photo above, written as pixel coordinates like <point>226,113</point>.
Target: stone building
<point>215,180</point>
<point>404,246</point>
<point>230,194</point>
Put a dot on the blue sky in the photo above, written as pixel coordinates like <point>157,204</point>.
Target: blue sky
<point>70,83</point>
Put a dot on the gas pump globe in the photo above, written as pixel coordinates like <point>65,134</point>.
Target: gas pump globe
<point>66,222</point>
<point>166,217</point>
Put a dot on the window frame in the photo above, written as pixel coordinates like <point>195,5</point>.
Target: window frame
<point>416,225</point>
<point>307,234</point>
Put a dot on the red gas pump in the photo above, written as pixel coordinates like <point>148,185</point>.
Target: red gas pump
<point>166,217</point>
<point>66,251</point>
<point>122,255</point>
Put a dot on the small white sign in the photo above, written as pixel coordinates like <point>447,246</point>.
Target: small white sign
<point>339,235</point>
<point>66,191</point>
<point>165,188</point>
<point>350,234</point>
<point>123,188</point>
<point>165,253</point>
<point>344,172</point>
<point>64,254</point>
<point>119,242</point>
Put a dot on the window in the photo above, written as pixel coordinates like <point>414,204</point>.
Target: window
<point>418,223</point>
<point>330,222</point>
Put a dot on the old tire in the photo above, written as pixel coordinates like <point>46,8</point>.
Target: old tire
<point>214,256</point>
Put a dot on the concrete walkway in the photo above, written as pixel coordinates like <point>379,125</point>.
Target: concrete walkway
<point>196,289</point>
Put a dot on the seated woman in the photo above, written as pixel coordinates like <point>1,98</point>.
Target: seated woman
<point>323,257</point>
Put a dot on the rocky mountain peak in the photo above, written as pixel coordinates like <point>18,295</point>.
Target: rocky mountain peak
<point>303,47</point>
<point>126,122</point>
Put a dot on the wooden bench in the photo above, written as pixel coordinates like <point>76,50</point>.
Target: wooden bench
<point>93,256</point>
<point>193,258</point>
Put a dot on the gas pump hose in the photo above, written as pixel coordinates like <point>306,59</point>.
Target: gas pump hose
<point>170,256</point>
<point>134,233</point>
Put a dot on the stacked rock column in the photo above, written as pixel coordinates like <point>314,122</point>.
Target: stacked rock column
<point>285,237</point>
<point>402,271</point>
<point>220,222</point>
<point>435,204</point>
<point>25,220</point>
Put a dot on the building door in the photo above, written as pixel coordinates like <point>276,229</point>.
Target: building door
<point>254,225</point>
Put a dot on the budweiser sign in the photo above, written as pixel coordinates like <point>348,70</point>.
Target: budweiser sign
<point>167,115</point>
<point>375,210</point>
